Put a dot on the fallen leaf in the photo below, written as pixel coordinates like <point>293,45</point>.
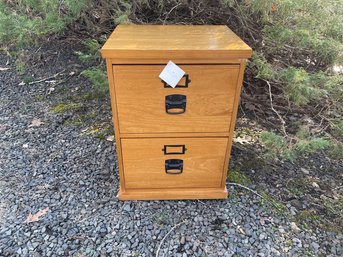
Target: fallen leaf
<point>2,127</point>
<point>240,230</point>
<point>35,123</point>
<point>274,8</point>
<point>110,138</point>
<point>314,184</point>
<point>4,69</point>
<point>33,218</point>
<point>294,227</point>
<point>234,222</point>
<point>75,89</point>
<point>240,140</point>
<point>305,171</point>
<point>50,90</point>
<point>262,222</point>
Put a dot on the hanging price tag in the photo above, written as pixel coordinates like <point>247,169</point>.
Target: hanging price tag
<point>171,74</point>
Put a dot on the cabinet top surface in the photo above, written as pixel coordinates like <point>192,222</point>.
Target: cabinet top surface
<point>174,41</point>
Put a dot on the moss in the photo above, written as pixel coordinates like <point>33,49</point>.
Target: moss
<point>100,131</point>
<point>329,219</point>
<point>288,243</point>
<point>63,107</point>
<point>78,121</point>
<point>306,215</point>
<point>277,206</point>
<point>298,187</point>
<point>238,177</point>
<point>101,135</point>
<point>309,253</point>
<point>162,218</point>
<point>39,98</point>
<point>27,79</point>
<point>307,218</point>
<point>94,95</point>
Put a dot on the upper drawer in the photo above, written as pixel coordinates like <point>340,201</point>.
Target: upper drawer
<point>143,101</point>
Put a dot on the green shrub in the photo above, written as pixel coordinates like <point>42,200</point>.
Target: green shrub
<point>312,145</point>
<point>263,68</point>
<point>122,12</point>
<point>312,28</point>
<point>276,145</point>
<point>300,40</point>
<point>91,54</point>
<point>303,143</point>
<point>332,84</point>
<point>23,22</point>
<point>337,128</point>
<point>336,150</point>
<point>97,77</point>
<point>298,86</point>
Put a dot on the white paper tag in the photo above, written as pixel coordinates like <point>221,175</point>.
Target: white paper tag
<point>171,74</point>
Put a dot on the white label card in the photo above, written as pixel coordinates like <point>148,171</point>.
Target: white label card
<point>171,74</point>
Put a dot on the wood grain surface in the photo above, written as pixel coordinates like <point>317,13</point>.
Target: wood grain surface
<point>174,42</point>
<point>215,58</point>
<point>173,194</point>
<point>144,163</point>
<point>140,96</point>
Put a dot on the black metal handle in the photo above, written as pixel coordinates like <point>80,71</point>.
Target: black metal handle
<point>175,149</point>
<point>175,104</point>
<point>187,81</point>
<point>174,166</point>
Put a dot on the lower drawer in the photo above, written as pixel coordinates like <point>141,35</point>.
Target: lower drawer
<point>151,163</point>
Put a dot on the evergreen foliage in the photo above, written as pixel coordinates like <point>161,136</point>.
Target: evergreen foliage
<point>24,21</point>
<point>296,44</point>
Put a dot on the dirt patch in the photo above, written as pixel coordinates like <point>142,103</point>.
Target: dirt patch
<point>311,186</point>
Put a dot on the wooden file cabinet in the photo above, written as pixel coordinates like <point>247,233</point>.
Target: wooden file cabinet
<point>174,143</point>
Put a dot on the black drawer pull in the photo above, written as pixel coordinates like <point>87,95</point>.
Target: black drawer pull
<point>175,149</point>
<point>175,104</point>
<point>174,166</point>
<point>187,81</point>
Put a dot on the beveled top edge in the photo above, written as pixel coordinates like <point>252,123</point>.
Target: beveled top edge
<point>187,41</point>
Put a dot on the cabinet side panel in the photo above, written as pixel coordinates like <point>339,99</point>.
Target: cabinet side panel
<point>111,85</point>
<point>233,119</point>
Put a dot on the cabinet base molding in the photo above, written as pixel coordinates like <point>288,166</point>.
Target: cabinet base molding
<point>173,194</point>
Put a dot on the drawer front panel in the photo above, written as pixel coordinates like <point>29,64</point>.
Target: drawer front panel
<point>145,105</point>
<point>152,163</point>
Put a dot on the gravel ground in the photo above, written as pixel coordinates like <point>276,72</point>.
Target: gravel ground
<point>74,173</point>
